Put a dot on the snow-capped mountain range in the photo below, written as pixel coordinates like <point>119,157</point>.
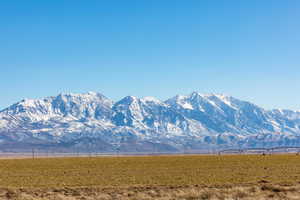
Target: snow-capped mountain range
<point>92,122</point>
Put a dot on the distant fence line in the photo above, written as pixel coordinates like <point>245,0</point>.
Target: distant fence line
<point>261,150</point>
<point>35,153</point>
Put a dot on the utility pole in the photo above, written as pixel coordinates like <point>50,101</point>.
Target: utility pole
<point>32,153</point>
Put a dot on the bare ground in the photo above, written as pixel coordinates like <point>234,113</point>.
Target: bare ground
<point>259,192</point>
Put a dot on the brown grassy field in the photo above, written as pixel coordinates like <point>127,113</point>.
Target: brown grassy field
<point>152,177</point>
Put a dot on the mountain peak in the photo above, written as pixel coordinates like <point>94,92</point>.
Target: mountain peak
<point>193,94</point>
<point>86,94</point>
<point>219,95</point>
<point>129,99</point>
<point>151,99</point>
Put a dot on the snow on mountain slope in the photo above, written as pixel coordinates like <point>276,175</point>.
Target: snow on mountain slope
<point>89,105</point>
<point>152,114</point>
<point>192,121</point>
<point>54,116</point>
<point>286,120</point>
<point>222,113</point>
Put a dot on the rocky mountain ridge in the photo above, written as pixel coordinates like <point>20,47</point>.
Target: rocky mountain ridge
<point>196,121</point>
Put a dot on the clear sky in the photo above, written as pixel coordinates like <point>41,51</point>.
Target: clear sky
<point>247,49</point>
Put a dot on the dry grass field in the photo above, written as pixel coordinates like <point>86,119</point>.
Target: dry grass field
<point>152,177</point>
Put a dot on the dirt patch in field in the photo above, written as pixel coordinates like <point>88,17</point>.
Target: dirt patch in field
<point>261,191</point>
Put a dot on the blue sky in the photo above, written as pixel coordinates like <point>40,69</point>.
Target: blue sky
<point>247,49</point>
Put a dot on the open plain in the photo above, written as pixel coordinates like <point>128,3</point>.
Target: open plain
<point>152,177</point>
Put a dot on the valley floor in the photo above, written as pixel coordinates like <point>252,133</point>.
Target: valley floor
<point>152,177</point>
